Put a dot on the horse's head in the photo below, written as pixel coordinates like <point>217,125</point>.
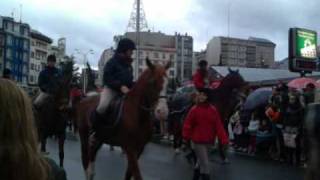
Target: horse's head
<point>233,86</point>
<point>62,94</point>
<point>233,80</point>
<point>152,81</point>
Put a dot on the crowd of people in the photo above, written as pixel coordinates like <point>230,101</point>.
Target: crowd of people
<point>277,129</point>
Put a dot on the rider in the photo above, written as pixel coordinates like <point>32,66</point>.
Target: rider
<point>48,81</point>
<point>200,78</point>
<point>117,77</point>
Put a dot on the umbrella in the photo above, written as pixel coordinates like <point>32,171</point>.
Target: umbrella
<point>257,98</point>
<point>301,83</point>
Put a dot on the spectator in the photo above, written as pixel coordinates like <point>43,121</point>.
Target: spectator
<point>201,126</point>
<point>19,155</point>
<point>7,74</point>
<point>293,127</point>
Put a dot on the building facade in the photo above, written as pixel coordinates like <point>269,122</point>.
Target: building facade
<point>40,49</point>
<point>252,52</point>
<point>15,48</point>
<point>59,50</point>
<point>161,48</point>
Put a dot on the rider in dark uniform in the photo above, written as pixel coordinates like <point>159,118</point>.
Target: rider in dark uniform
<point>48,81</point>
<point>117,77</point>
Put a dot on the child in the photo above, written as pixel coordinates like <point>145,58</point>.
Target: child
<point>201,125</point>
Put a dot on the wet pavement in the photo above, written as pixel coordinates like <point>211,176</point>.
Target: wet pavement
<point>159,162</point>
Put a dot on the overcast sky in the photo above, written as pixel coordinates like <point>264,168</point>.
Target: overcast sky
<point>91,24</point>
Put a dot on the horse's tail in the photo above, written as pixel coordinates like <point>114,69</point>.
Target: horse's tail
<point>84,139</point>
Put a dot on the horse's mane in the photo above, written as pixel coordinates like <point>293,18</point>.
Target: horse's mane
<point>140,83</point>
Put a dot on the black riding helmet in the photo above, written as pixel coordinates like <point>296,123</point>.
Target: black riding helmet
<point>203,63</point>
<point>125,44</point>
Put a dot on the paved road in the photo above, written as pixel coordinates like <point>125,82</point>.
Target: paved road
<point>160,163</point>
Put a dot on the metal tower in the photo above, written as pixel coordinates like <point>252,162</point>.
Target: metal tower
<point>137,18</point>
<point>137,23</point>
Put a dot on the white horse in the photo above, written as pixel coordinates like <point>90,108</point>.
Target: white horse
<point>162,110</point>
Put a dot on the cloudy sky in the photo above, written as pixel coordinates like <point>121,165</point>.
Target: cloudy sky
<point>91,24</point>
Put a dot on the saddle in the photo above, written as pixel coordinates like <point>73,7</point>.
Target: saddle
<point>112,116</point>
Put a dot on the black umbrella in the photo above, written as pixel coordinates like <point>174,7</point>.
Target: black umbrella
<point>257,98</point>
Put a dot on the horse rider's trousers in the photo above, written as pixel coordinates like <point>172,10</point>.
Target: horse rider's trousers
<point>41,99</point>
<point>106,96</point>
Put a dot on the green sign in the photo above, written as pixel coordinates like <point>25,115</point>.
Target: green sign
<point>306,44</point>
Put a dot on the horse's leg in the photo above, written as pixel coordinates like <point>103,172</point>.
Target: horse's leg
<point>94,146</point>
<point>61,149</point>
<point>43,143</point>
<point>133,167</point>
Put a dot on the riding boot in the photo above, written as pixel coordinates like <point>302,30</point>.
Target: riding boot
<point>96,120</point>
<point>196,174</point>
<point>205,177</point>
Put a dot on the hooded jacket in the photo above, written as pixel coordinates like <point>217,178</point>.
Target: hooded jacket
<point>203,124</point>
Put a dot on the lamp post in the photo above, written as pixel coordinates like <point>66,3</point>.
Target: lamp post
<point>85,60</point>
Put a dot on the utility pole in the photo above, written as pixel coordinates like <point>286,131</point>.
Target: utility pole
<point>138,39</point>
<point>137,23</point>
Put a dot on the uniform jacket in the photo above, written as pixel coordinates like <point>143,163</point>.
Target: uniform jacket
<point>118,72</point>
<point>49,79</point>
<point>199,80</point>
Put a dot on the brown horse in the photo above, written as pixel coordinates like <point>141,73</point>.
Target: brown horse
<point>133,131</point>
<point>50,118</point>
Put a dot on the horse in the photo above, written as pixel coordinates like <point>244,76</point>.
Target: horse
<point>225,98</point>
<point>50,118</point>
<point>134,129</point>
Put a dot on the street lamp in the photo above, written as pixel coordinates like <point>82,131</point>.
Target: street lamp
<point>85,61</point>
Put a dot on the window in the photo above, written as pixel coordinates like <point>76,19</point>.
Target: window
<point>32,54</point>
<point>163,56</point>
<point>16,28</point>
<point>0,54</point>
<point>9,55</point>
<point>22,30</point>
<point>31,78</point>
<point>156,55</point>
<point>8,65</point>
<point>9,40</point>
<point>32,66</point>
<point>1,40</point>
<point>25,44</point>
<point>171,57</point>
<point>25,57</point>
<point>171,72</point>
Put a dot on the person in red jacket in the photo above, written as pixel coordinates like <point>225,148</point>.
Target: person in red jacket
<point>201,126</point>
<point>200,78</point>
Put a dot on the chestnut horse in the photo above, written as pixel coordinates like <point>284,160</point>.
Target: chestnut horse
<point>134,129</point>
